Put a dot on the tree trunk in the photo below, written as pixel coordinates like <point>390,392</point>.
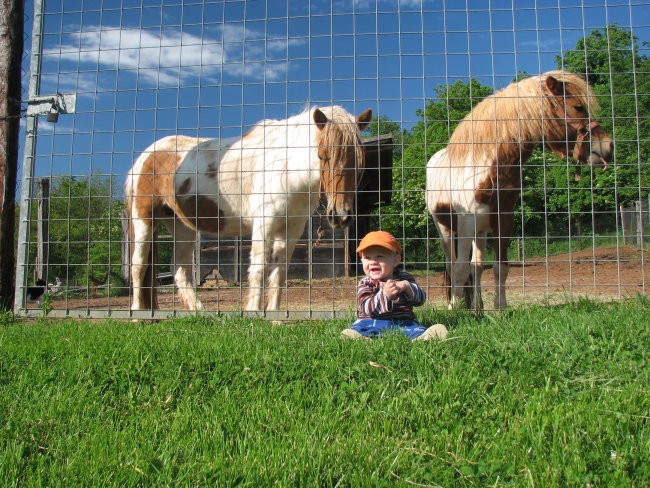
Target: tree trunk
<point>11,54</point>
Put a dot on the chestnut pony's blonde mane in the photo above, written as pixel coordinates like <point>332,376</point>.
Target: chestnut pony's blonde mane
<point>523,112</point>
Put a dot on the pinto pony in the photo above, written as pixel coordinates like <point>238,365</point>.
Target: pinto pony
<point>474,183</point>
<point>265,185</point>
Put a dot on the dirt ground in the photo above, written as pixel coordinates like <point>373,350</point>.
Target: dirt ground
<point>606,273</point>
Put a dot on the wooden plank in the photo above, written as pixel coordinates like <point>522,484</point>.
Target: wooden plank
<point>42,229</point>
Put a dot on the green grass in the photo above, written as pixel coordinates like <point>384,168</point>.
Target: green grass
<point>535,397</point>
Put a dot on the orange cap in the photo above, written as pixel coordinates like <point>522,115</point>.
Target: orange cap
<point>379,238</point>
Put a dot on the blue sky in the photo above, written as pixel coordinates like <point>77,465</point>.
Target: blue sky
<point>144,69</point>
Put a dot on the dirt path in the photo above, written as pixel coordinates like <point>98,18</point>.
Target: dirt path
<point>606,273</point>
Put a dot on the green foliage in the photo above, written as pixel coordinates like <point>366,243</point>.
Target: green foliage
<point>85,230</point>
<point>7,317</point>
<point>547,396</point>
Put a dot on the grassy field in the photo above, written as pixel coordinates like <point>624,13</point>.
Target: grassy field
<point>537,397</point>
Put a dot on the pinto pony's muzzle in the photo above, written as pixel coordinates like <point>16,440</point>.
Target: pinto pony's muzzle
<point>593,145</point>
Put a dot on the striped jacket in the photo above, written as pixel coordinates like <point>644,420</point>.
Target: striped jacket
<point>373,303</point>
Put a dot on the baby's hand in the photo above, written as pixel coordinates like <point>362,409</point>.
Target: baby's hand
<point>394,289</point>
<point>391,290</point>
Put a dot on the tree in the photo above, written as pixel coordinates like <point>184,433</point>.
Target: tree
<point>407,215</point>
<point>11,47</point>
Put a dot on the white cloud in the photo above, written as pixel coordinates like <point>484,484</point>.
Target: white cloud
<point>169,57</point>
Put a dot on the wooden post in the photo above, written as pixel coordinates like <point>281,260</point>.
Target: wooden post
<point>11,54</point>
<point>579,232</point>
<point>126,248</point>
<point>42,229</point>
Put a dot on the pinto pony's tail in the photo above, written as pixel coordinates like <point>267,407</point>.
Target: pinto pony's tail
<point>446,283</point>
<point>147,297</point>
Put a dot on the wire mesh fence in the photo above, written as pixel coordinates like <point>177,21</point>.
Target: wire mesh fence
<point>114,76</point>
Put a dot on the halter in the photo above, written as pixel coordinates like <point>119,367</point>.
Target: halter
<point>584,134</point>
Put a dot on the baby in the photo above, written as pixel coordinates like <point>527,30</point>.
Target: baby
<point>386,295</point>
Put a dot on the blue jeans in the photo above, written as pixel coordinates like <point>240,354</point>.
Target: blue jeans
<point>376,327</point>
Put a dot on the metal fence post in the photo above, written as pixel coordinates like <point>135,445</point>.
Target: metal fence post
<point>638,214</point>
<point>621,209</point>
<point>31,126</point>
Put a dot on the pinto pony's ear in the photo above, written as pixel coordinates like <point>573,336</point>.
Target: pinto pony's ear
<point>555,86</point>
<point>320,119</point>
<point>364,119</point>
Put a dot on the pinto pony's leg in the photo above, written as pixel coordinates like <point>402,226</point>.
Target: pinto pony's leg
<point>460,269</point>
<point>501,270</point>
<point>460,272</point>
<point>447,244</point>
<point>260,249</point>
<point>184,243</point>
<point>278,272</point>
<point>501,265</point>
<point>281,253</point>
<point>143,254</point>
<point>476,269</point>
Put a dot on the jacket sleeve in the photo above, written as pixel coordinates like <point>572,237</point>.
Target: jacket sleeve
<point>419,295</point>
<point>371,299</point>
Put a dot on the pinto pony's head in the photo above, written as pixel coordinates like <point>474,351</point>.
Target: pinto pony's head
<point>341,156</point>
<point>570,114</point>
<point>555,109</point>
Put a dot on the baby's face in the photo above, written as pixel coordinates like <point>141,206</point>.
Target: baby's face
<point>379,262</point>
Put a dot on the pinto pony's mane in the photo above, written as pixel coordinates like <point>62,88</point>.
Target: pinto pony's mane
<point>523,111</point>
<point>338,141</point>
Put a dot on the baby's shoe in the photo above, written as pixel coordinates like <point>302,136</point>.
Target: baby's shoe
<point>351,334</point>
<point>437,331</point>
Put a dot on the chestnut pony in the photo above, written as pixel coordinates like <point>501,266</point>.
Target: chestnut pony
<point>265,185</point>
<point>474,183</point>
